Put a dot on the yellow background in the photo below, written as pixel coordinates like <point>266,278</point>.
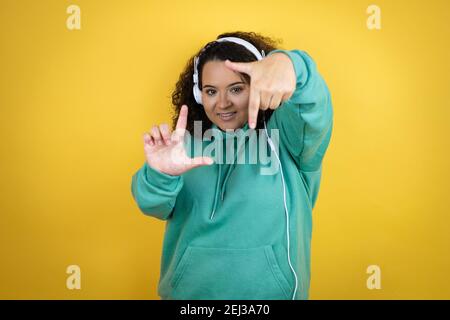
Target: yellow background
<point>74,106</point>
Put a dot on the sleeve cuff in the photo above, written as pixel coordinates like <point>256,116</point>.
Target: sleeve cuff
<point>160,179</point>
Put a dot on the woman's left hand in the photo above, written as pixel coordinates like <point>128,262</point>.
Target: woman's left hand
<point>273,81</point>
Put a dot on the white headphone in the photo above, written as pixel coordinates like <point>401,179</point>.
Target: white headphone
<point>198,99</point>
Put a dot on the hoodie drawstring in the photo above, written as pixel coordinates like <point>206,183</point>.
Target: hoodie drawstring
<point>228,174</point>
<point>216,193</point>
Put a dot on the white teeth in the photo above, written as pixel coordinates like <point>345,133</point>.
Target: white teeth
<point>227,116</point>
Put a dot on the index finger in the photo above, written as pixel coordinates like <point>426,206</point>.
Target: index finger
<point>182,117</point>
<point>180,128</point>
<point>253,107</point>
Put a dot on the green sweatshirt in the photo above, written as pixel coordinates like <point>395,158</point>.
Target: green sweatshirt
<point>226,228</point>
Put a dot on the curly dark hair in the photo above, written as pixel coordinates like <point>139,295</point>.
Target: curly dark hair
<point>221,51</point>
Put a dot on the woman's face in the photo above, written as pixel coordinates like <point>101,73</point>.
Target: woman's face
<point>225,96</point>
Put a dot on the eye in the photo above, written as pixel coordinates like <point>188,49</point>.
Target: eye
<point>236,90</point>
<point>208,92</point>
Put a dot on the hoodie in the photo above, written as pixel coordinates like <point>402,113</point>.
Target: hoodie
<point>226,228</point>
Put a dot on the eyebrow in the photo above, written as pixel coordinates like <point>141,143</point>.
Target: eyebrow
<point>208,85</point>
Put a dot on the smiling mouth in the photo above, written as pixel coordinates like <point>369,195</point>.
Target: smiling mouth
<point>225,116</point>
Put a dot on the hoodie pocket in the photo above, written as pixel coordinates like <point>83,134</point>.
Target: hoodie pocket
<point>228,274</point>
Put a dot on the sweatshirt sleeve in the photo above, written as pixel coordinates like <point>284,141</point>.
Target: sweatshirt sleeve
<point>155,192</point>
<point>305,121</point>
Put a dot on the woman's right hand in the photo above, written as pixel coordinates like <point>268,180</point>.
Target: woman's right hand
<point>165,150</point>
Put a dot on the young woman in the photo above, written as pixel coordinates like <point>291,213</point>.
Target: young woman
<point>234,231</point>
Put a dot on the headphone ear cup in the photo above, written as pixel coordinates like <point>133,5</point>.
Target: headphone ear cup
<point>197,94</point>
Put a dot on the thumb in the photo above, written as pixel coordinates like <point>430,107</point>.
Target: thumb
<point>200,161</point>
<point>245,67</point>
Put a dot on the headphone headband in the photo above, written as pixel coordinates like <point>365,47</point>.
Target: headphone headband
<point>250,47</point>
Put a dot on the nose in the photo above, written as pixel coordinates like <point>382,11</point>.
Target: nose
<point>223,102</point>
